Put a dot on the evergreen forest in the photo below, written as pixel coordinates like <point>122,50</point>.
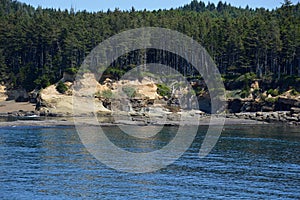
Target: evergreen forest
<point>38,45</point>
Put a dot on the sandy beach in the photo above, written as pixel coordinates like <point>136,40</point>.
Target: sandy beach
<point>12,106</point>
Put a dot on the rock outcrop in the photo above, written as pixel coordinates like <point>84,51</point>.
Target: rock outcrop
<point>264,102</point>
<point>19,95</point>
<point>285,117</point>
<point>3,94</point>
<point>285,103</point>
<point>54,103</point>
<point>51,102</point>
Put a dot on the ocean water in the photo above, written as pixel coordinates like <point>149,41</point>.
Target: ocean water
<point>248,162</point>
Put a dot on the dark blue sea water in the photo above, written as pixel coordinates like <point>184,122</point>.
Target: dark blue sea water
<point>248,162</point>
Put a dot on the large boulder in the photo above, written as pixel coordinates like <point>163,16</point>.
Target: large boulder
<point>19,95</point>
<point>285,104</point>
<point>33,96</point>
<point>204,103</point>
<point>235,105</point>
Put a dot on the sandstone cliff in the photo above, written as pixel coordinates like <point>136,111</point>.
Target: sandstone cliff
<point>109,92</point>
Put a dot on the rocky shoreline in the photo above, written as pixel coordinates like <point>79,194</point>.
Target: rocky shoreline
<point>69,121</point>
<point>146,106</point>
<point>283,117</point>
<point>172,119</point>
<point>283,110</point>
<point>291,117</point>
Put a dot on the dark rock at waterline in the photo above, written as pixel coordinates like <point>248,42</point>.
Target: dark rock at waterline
<point>235,105</point>
<point>249,105</point>
<point>286,104</point>
<point>204,103</point>
<point>285,117</point>
<point>240,105</point>
<point>246,107</point>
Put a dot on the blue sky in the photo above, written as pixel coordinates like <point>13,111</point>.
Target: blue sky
<point>96,5</point>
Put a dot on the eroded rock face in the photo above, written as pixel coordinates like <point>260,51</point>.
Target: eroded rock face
<point>110,96</point>
<point>130,95</point>
<point>51,101</point>
<point>88,86</point>
<point>144,89</point>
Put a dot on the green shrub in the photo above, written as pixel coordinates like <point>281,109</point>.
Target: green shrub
<point>114,72</point>
<point>232,94</point>
<point>71,70</point>
<point>244,93</point>
<point>106,94</point>
<point>271,100</point>
<point>294,92</point>
<point>273,93</point>
<point>163,90</point>
<point>129,91</point>
<point>43,81</point>
<point>248,77</point>
<point>61,87</point>
<point>270,91</point>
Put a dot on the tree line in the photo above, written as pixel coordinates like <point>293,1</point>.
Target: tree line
<point>38,45</point>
